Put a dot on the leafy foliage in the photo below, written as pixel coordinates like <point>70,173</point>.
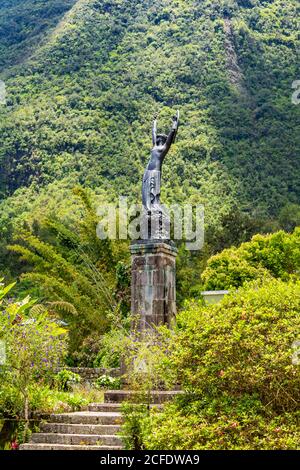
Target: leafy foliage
<point>234,361</point>
<point>276,255</point>
<point>25,24</point>
<point>221,425</point>
<point>84,79</point>
<point>34,346</point>
<point>80,105</point>
<point>106,381</point>
<point>72,270</point>
<point>45,399</point>
<point>65,379</point>
<point>133,427</point>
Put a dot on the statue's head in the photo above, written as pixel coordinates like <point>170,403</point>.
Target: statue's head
<point>161,139</point>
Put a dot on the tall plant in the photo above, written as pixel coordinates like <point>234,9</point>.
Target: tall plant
<point>68,264</point>
<point>34,344</point>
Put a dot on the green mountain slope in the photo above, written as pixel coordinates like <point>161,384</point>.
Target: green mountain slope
<point>81,105</point>
<point>24,24</point>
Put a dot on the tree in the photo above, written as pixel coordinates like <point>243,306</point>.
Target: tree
<point>237,364</point>
<point>71,270</point>
<point>35,344</point>
<point>274,255</point>
<point>289,217</point>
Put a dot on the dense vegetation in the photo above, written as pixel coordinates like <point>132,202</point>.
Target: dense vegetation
<point>84,79</point>
<point>23,25</point>
<point>238,363</point>
<point>85,277</point>
<point>33,343</point>
<point>81,104</point>
<point>276,255</point>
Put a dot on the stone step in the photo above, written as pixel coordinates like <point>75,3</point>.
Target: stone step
<point>61,428</point>
<point>76,439</point>
<point>96,428</point>
<point>112,407</point>
<point>34,446</point>
<point>87,417</point>
<point>157,396</point>
<point>105,407</point>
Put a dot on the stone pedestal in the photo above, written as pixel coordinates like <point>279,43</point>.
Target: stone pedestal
<point>153,288</point>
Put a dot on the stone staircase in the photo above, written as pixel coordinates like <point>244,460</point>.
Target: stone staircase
<point>94,429</point>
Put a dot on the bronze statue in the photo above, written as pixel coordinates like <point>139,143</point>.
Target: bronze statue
<point>152,175</point>
<point>156,223</point>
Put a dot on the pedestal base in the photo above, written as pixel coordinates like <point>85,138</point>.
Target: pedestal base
<point>153,288</point>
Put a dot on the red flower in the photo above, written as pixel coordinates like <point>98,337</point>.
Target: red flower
<point>14,445</point>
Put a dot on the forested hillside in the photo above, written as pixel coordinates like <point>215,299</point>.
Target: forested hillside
<point>24,24</point>
<point>84,80</point>
<point>85,77</point>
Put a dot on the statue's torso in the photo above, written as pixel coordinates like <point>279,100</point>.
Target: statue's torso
<point>151,180</point>
<point>157,156</point>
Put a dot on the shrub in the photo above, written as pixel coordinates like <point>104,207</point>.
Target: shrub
<point>11,399</point>
<point>76,402</point>
<point>132,429</point>
<point>106,381</point>
<point>34,343</point>
<point>276,255</point>
<point>234,360</point>
<point>243,345</point>
<point>114,343</point>
<point>65,379</point>
<point>217,427</point>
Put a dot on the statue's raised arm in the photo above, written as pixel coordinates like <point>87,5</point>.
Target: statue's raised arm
<point>172,135</point>
<point>154,130</point>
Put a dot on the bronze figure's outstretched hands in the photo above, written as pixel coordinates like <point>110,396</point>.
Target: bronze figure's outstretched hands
<point>170,139</point>
<point>154,129</point>
<point>176,120</point>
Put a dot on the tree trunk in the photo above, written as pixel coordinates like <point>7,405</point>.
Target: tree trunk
<point>26,416</point>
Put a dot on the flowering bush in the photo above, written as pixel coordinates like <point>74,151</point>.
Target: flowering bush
<point>34,345</point>
<point>220,426</point>
<point>276,255</point>
<point>106,381</point>
<point>65,379</point>
<point>235,362</point>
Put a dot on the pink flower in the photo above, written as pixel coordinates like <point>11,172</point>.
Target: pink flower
<point>221,373</point>
<point>14,445</point>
